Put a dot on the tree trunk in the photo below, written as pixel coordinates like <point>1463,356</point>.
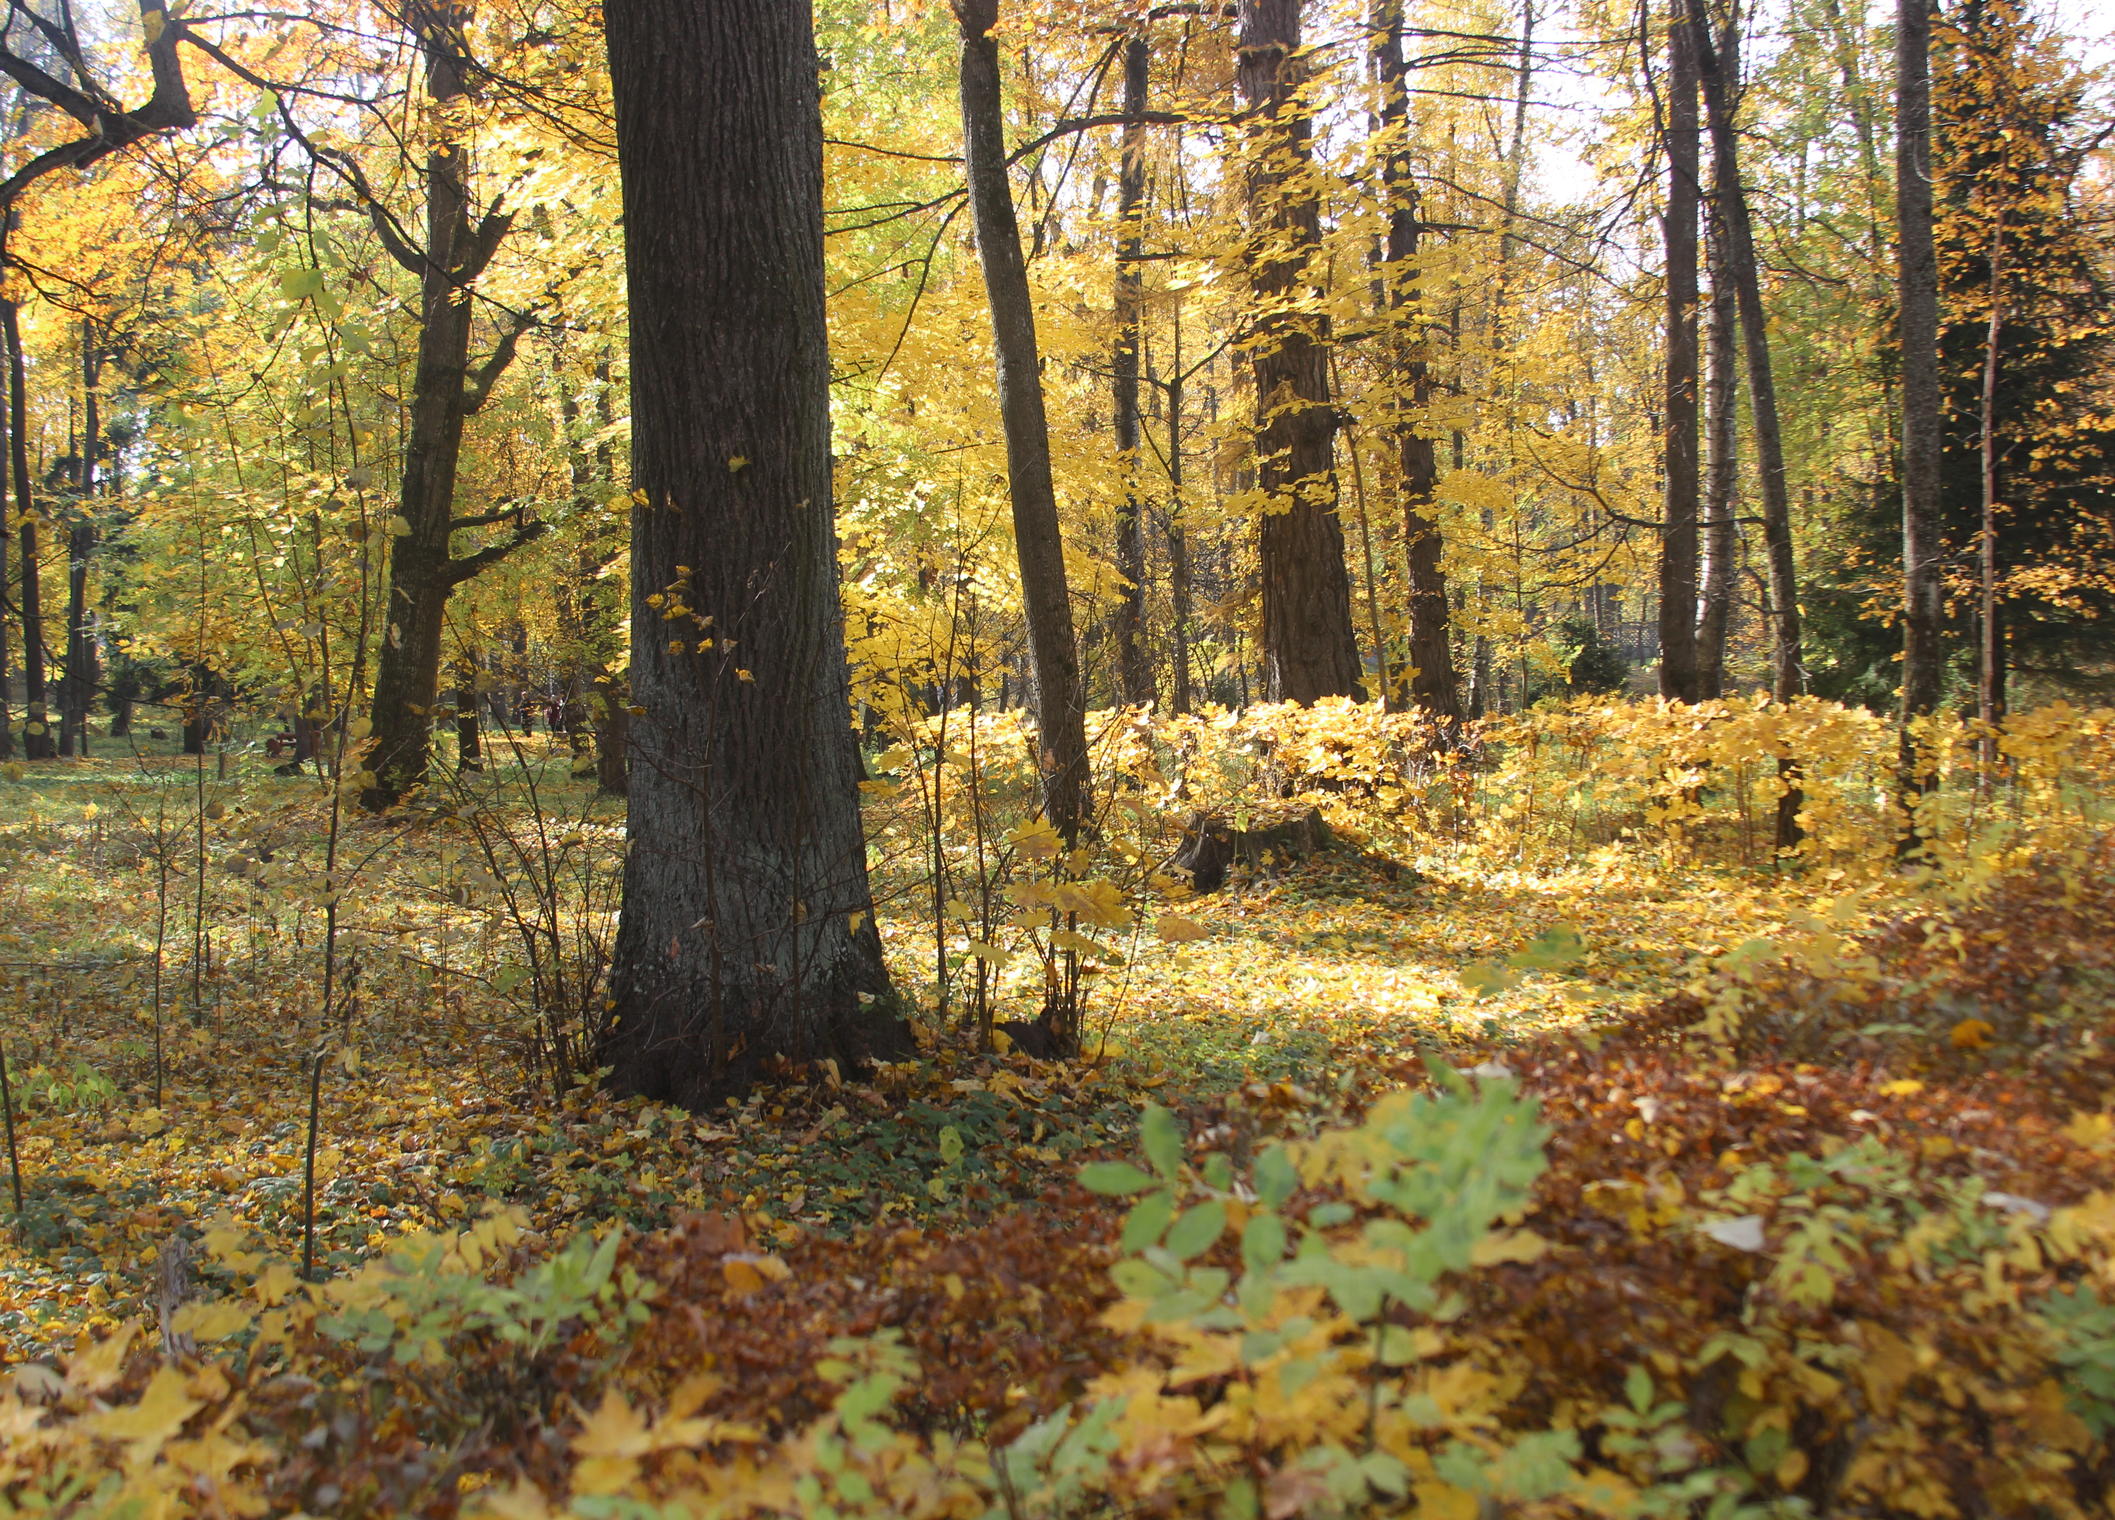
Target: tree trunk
<point>1309,648</point>
<point>1678,532</point>
<point>1432,681</point>
<point>82,676</point>
<point>1918,334</point>
<point>36,722</point>
<point>1719,68</point>
<point>422,569</point>
<point>469,729</point>
<point>748,927</point>
<point>1721,453</point>
<point>1990,675</point>
<point>1060,702</point>
<point>1178,538</point>
<point>1132,667</point>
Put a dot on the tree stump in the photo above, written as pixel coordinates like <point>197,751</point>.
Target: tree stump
<point>1213,842</point>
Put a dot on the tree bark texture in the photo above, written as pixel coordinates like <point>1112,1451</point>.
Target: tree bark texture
<point>1060,701</point>
<point>1309,648</point>
<point>1433,686</point>
<point>1680,503</point>
<point>1721,453</point>
<point>82,674</point>
<point>36,721</point>
<point>1133,670</point>
<point>1917,330</point>
<point>1718,68</point>
<point>422,570</point>
<point>748,929</point>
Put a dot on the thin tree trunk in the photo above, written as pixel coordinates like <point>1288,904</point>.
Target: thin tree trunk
<point>1133,670</point>
<point>1178,543</point>
<point>82,676</point>
<point>1990,677</point>
<point>1433,686</point>
<point>1060,701</point>
<point>748,928</point>
<point>36,723</point>
<point>1678,532</point>
<point>1309,649</point>
<point>469,726</point>
<point>422,570</point>
<point>1719,68</point>
<point>1722,454</point>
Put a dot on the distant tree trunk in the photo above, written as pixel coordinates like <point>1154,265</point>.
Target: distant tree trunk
<point>1719,66</point>
<point>1990,682</point>
<point>748,927</point>
<point>422,569</point>
<point>7,736</point>
<point>82,676</point>
<point>1917,331</point>
<point>1432,681</point>
<point>1178,542</point>
<point>1309,648</point>
<point>1060,702</point>
<point>1678,532</point>
<point>36,723</point>
<point>1721,454</point>
<point>1133,669</point>
<point>469,729</point>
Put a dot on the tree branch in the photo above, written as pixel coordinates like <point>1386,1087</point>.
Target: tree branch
<point>460,570</point>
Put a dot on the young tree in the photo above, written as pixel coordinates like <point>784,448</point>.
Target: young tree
<point>1309,649</point>
<point>1060,699</point>
<point>748,930</point>
<point>1678,532</point>
<point>1134,673</point>
<point>423,568</point>
<point>1432,682</point>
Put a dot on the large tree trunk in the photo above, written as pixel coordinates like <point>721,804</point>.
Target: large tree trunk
<point>1918,334</point>
<point>1678,531</point>
<point>748,928</point>
<point>1309,649</point>
<point>422,570</point>
<point>1060,702</point>
<point>36,722</point>
<point>1432,682</point>
<point>1131,664</point>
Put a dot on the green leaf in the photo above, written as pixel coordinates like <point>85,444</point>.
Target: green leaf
<point>1161,1139</point>
<point>299,284</point>
<point>1148,1220</point>
<point>1114,1178</point>
<point>1195,1231</point>
<point>1276,1178</point>
<point>950,1145</point>
<point>1263,1242</point>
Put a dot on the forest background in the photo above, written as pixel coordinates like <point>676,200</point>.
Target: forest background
<point>1481,696</point>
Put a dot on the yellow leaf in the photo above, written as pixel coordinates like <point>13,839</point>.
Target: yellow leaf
<point>212,1319</point>
<point>1902,1087</point>
<point>1971,1034</point>
<point>746,1273</point>
<point>1174,929</point>
<point>158,1415</point>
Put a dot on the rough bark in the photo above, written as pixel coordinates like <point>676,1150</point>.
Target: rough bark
<point>1917,319</point>
<point>1309,648</point>
<point>422,569</point>
<point>1060,700</point>
<point>36,721</point>
<point>748,930</point>
<point>1433,686</point>
<point>1133,670</point>
<point>1680,508</point>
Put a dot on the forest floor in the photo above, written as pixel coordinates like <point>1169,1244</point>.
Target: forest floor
<point>1325,976</point>
<point>1821,1216</point>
